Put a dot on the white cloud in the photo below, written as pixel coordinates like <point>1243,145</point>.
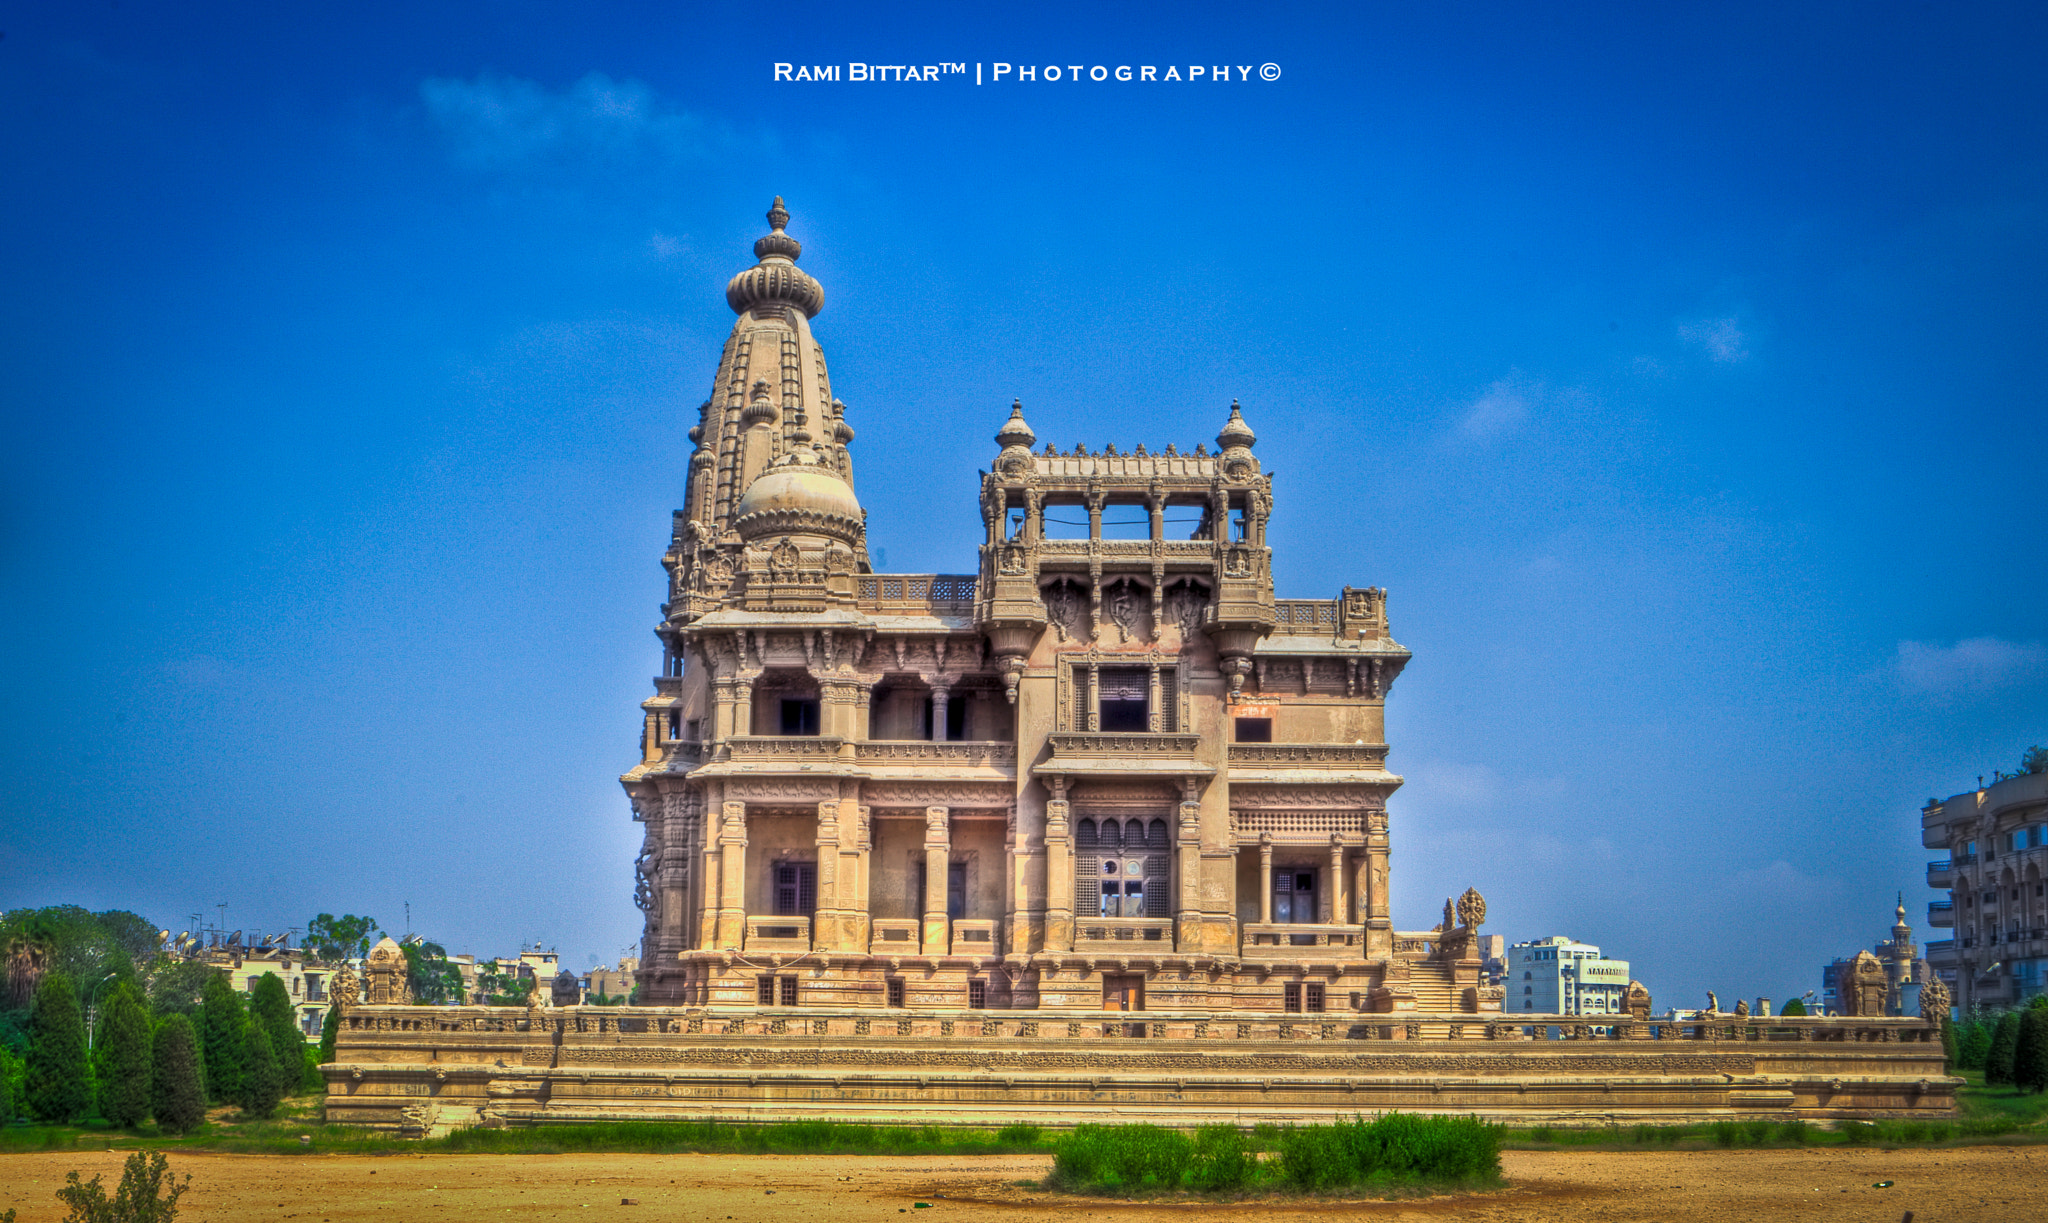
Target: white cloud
<point>503,122</point>
<point>1722,338</point>
<point>1974,663</point>
<point>1500,409</point>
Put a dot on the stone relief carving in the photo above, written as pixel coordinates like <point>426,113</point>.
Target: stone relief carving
<point>1185,602</point>
<point>1472,908</point>
<point>1124,602</point>
<point>1066,607</point>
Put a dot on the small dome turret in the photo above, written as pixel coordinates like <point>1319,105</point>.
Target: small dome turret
<point>1014,431</point>
<point>1235,432</point>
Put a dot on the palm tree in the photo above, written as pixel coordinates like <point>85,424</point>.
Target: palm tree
<point>26,952</point>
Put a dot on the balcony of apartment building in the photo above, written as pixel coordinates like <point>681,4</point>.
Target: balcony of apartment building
<point>1941,874</point>
<point>1940,952</point>
<point>1941,914</point>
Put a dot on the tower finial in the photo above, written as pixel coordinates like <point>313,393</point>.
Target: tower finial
<point>778,216</point>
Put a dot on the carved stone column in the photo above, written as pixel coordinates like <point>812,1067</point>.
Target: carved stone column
<point>938,855</point>
<point>1266,878</point>
<point>743,707</point>
<point>826,934</point>
<point>1331,911</point>
<point>1059,869</point>
<point>1153,712</point>
<point>1379,925</point>
<point>940,695</point>
<point>721,710</point>
<point>1094,699</point>
<point>1187,924</point>
<point>710,868</point>
<point>732,877</point>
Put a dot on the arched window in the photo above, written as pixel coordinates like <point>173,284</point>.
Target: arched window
<point>1084,835</point>
<point>1155,835</point>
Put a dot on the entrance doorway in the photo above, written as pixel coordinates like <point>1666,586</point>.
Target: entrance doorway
<point>1123,993</point>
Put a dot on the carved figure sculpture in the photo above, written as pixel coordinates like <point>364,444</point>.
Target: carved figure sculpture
<point>1713,1003</point>
<point>1123,610</point>
<point>1637,1000</point>
<point>1862,989</point>
<point>1472,908</point>
<point>385,978</point>
<point>347,990</point>
<point>1934,1000</point>
<point>565,991</point>
<point>1741,1009</point>
<point>1065,608</point>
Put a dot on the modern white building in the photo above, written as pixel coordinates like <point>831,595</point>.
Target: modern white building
<point>1559,976</point>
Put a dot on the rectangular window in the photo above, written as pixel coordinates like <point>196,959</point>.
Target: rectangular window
<point>977,995</point>
<point>675,724</point>
<point>956,717</point>
<point>1254,730</point>
<point>956,889</point>
<point>799,716</point>
<point>1126,697</point>
<point>690,730</point>
<point>1290,998</point>
<point>796,889</point>
<point>1169,700</point>
<point>1112,900</point>
<point>1294,896</point>
<point>764,991</point>
<point>1314,1001</point>
<point>896,991</point>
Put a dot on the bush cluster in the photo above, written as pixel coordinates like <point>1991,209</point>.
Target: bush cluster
<point>1390,1150</point>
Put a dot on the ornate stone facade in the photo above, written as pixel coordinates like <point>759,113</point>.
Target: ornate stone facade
<point>1108,765</point>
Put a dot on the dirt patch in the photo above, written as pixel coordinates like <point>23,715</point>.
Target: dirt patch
<point>1993,1184</point>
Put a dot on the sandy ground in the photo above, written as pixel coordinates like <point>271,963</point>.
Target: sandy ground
<point>2001,1184</point>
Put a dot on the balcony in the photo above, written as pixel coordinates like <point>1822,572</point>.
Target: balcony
<point>1280,763</point>
<point>926,751</point>
<point>894,935</point>
<point>1299,617</point>
<point>784,749</point>
<point>778,934</point>
<point>1941,914</point>
<point>1123,934</point>
<point>1965,859</point>
<point>974,936</point>
<point>1124,755</point>
<point>1301,941</point>
<point>1940,952</point>
<point>917,594</point>
<point>1941,874</point>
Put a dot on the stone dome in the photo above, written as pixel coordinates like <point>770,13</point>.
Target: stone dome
<point>799,495</point>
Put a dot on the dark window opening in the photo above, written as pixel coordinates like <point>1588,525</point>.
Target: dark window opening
<point>675,724</point>
<point>956,889</point>
<point>796,889</point>
<point>1294,901</point>
<point>1254,730</point>
<point>788,991</point>
<point>896,991</point>
<point>692,731</point>
<point>977,995</point>
<point>1125,695</point>
<point>1290,998</point>
<point>799,716</point>
<point>764,991</point>
<point>956,717</point>
<point>1314,1001</point>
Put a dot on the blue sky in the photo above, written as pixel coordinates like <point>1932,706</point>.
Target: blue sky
<point>1677,374</point>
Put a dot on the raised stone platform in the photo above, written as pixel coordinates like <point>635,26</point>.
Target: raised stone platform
<point>424,1070</point>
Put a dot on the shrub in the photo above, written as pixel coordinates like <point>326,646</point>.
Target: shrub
<point>1391,1147</point>
<point>58,1079</point>
<point>124,1057</point>
<point>1019,1134</point>
<point>2004,1042</point>
<point>1793,1007</point>
<point>271,1006</point>
<point>1859,1133</point>
<point>1795,1131</point>
<point>1973,1041</point>
<point>223,1039</point>
<point>1223,1160</point>
<point>1122,1158</point>
<point>141,1197</point>
<point>177,1081</point>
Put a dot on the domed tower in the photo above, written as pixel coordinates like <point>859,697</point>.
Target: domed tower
<point>771,406</point>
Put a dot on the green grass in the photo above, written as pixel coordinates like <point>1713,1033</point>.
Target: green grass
<point>1392,1154</point>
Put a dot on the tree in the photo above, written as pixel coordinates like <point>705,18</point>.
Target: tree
<point>178,987</point>
<point>2035,760</point>
<point>504,989</point>
<point>2004,1041</point>
<point>340,938</point>
<point>330,1031</point>
<point>11,1092</point>
<point>1948,1044</point>
<point>1973,1043</point>
<point>59,1079</point>
<point>223,1040</point>
<point>122,1057</point>
<point>270,1005</point>
<point>2030,1060</point>
<point>263,1080</point>
<point>1794,1007</point>
<point>434,981</point>
<point>177,1076</point>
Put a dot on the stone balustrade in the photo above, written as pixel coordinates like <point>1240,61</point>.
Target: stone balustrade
<point>974,936</point>
<point>782,934</point>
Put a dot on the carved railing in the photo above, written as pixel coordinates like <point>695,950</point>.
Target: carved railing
<point>1093,933</point>
<point>1114,743</point>
<point>1369,755</point>
<point>668,685</point>
<point>1296,617</point>
<point>778,933</point>
<point>361,1025</point>
<point>974,936</point>
<point>784,747</point>
<point>965,751</point>
<point>1267,939</point>
<point>686,751</point>
<point>894,935</point>
<point>917,594</point>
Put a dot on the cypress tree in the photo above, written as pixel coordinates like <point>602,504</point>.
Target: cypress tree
<point>272,1007</point>
<point>1948,1045</point>
<point>177,1080</point>
<point>122,1054</point>
<point>2030,1057</point>
<point>330,1031</point>
<point>1973,1044</point>
<point>263,1080</point>
<point>223,1039</point>
<point>2004,1041</point>
<point>58,1078</point>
